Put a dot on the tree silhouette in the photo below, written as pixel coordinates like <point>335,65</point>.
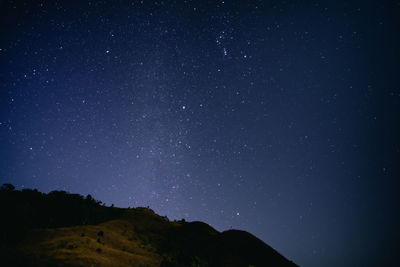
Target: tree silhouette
<point>7,187</point>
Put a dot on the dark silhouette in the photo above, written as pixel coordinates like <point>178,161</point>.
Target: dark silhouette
<point>31,235</point>
<point>7,187</point>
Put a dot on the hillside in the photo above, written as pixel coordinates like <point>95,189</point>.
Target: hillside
<point>62,229</point>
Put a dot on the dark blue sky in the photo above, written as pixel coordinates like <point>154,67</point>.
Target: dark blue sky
<point>277,117</point>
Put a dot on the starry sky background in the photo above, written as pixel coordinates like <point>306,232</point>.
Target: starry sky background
<point>276,117</point>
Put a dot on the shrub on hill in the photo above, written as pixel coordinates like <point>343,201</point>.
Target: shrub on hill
<point>27,209</point>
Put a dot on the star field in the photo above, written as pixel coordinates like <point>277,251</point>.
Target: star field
<point>280,118</point>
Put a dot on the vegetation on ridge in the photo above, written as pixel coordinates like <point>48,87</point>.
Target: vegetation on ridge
<point>62,229</point>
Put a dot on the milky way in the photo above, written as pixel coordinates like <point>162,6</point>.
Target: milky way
<point>276,117</point>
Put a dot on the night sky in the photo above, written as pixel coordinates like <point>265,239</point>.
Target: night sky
<point>280,118</point>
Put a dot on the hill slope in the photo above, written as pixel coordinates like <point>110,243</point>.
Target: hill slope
<point>61,229</point>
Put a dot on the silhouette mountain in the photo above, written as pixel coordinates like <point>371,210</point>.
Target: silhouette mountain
<point>62,229</point>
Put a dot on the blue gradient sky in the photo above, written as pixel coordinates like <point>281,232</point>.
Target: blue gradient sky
<point>276,117</point>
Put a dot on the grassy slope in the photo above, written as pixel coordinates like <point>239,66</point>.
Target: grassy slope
<point>122,242</point>
<point>61,229</point>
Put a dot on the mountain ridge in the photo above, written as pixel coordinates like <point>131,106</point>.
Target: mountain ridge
<point>63,229</point>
